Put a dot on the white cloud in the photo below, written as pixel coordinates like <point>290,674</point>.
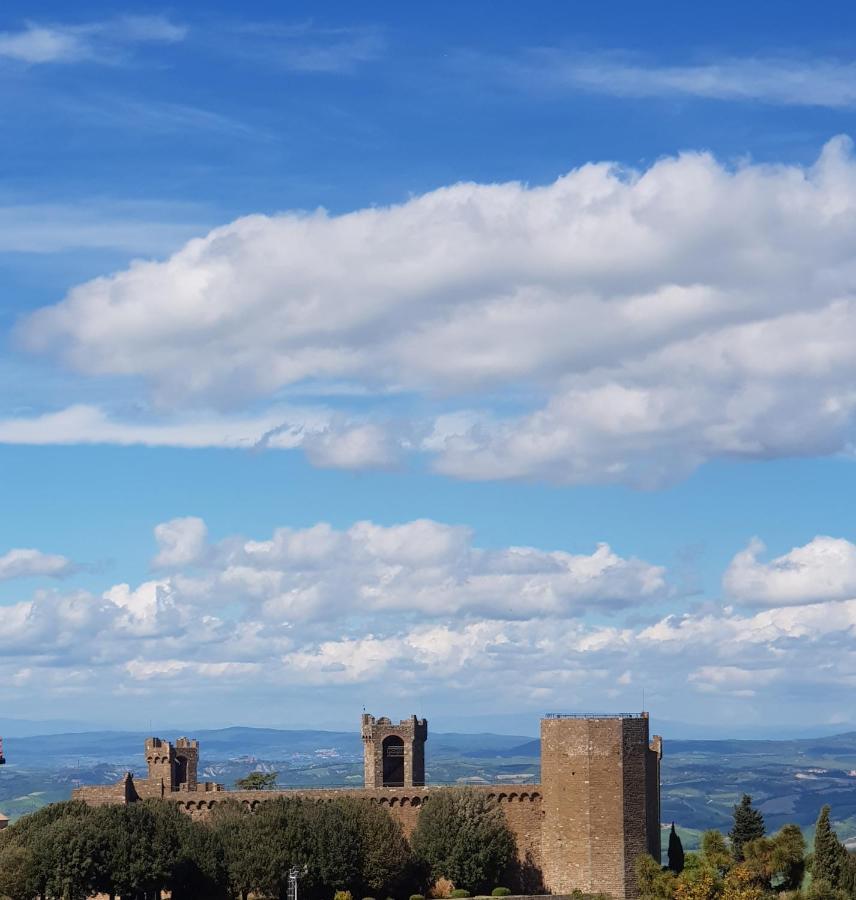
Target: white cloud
<point>29,563</point>
<point>181,542</point>
<point>352,447</point>
<point>98,42</point>
<point>416,611</point>
<point>786,81</point>
<point>641,322</point>
<point>823,569</point>
<point>421,568</point>
<point>330,440</point>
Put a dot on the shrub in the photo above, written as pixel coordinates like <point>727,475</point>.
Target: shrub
<point>417,897</point>
<point>343,895</point>
<point>441,889</point>
<point>459,892</point>
<point>500,892</point>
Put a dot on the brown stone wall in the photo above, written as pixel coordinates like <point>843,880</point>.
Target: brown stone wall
<point>636,807</point>
<point>597,780</point>
<point>521,806</point>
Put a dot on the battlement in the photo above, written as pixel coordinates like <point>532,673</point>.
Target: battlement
<point>393,755</point>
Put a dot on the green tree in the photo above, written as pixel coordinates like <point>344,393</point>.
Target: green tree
<point>788,858</point>
<point>675,852</point>
<point>257,781</point>
<point>243,856</point>
<point>748,826</point>
<point>715,854</point>
<point>18,877</point>
<point>463,836</point>
<point>386,863</point>
<point>829,860</point>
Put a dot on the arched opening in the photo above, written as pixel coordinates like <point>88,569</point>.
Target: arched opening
<point>393,761</point>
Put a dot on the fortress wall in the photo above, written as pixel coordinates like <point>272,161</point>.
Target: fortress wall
<point>520,804</point>
<point>596,810</point>
<point>108,795</point>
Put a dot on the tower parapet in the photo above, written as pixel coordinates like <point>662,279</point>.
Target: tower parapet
<point>394,755</point>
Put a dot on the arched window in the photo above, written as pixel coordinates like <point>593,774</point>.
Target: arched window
<point>393,761</point>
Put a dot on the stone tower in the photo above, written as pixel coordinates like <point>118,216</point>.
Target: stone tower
<point>175,767</point>
<point>394,755</point>
<point>186,763</point>
<point>160,760</point>
<point>601,789</point>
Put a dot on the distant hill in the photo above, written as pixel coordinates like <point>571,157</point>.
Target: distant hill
<point>126,746</point>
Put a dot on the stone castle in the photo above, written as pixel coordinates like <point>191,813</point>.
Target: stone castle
<point>596,809</point>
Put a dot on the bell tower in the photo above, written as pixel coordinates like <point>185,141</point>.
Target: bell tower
<point>394,755</point>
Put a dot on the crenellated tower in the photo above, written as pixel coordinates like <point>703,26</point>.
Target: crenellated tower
<point>394,755</point>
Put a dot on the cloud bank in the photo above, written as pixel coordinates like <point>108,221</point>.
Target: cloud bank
<point>419,610</point>
<point>614,326</point>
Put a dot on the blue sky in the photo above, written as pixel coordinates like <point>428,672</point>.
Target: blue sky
<point>460,359</point>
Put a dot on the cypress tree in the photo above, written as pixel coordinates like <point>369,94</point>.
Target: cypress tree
<point>830,857</point>
<point>748,826</point>
<point>676,852</point>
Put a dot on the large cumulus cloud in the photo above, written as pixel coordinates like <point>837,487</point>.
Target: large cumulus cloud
<point>615,325</point>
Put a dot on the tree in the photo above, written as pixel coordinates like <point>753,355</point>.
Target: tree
<point>830,862</point>
<point>257,781</point>
<point>244,857</point>
<point>386,862</point>
<point>676,852</point>
<point>748,826</point>
<point>703,886</point>
<point>18,880</point>
<point>788,858</point>
<point>740,884</point>
<point>654,882</point>
<point>714,853</point>
<point>463,836</point>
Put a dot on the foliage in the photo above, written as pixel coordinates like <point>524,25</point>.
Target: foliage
<point>460,893</point>
<point>715,853</point>
<point>740,884</point>
<point>463,836</point>
<point>703,886</point>
<point>417,897</point>
<point>72,851</point>
<point>655,882</point>
<point>829,859</point>
<point>441,889</point>
<point>675,852</point>
<point>500,892</point>
<point>748,826</point>
<point>257,781</point>
<point>777,862</point>
<point>343,895</point>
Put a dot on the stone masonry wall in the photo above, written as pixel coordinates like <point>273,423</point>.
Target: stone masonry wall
<point>596,781</point>
<point>521,806</point>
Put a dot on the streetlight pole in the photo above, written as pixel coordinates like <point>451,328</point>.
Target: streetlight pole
<point>294,876</point>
